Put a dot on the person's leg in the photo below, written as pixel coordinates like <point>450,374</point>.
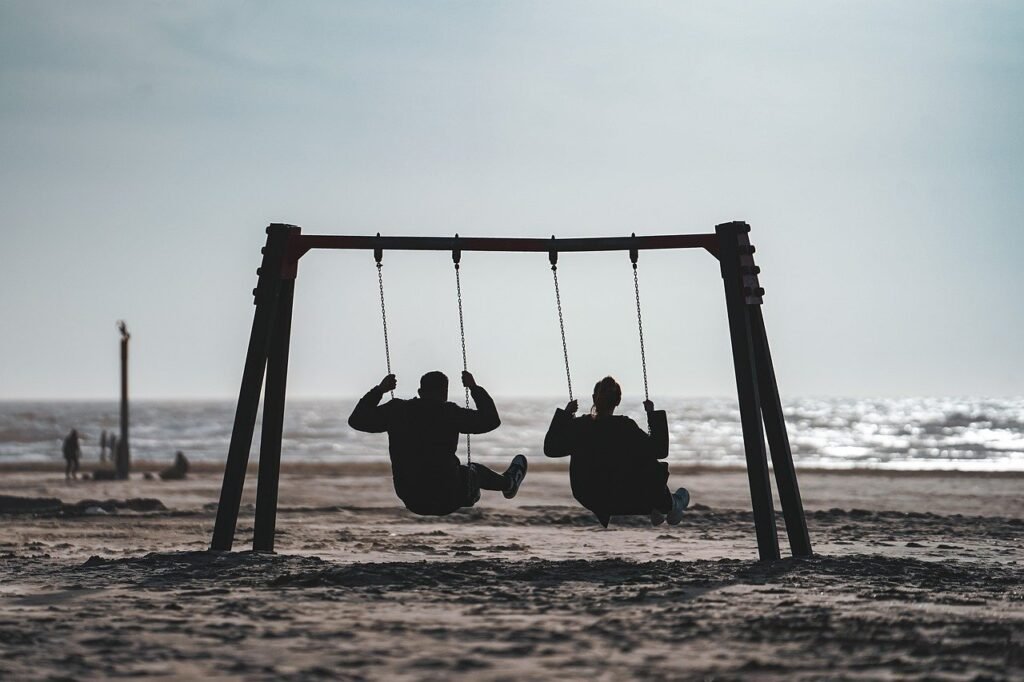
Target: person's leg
<point>508,483</point>
<point>680,501</point>
<point>489,479</point>
<point>662,500</point>
<point>669,507</point>
<point>515,474</point>
<point>469,484</point>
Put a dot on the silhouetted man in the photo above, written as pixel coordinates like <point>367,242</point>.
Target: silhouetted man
<point>423,435</point>
<point>72,450</point>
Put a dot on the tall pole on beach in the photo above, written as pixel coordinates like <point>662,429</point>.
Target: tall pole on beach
<point>122,458</point>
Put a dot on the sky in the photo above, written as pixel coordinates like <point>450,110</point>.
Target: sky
<point>876,149</point>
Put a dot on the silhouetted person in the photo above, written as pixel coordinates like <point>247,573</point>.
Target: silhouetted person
<point>72,453</point>
<point>614,467</point>
<point>423,435</point>
<point>176,471</point>
<point>103,446</point>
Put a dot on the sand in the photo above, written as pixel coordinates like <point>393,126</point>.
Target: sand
<point>915,576</point>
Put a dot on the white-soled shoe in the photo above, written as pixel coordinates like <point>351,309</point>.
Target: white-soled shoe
<point>680,501</point>
<point>516,472</point>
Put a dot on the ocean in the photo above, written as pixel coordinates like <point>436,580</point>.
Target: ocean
<point>969,434</point>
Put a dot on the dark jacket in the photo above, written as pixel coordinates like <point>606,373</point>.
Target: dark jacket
<point>72,449</point>
<point>614,467</point>
<point>423,436</point>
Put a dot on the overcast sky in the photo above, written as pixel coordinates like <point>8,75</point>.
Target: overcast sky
<point>876,148</point>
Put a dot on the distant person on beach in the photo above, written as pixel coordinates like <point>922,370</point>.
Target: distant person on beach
<point>103,446</point>
<point>72,453</point>
<point>176,471</point>
<point>614,466</point>
<point>423,435</point>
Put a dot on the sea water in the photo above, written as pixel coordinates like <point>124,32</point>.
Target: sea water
<point>833,433</point>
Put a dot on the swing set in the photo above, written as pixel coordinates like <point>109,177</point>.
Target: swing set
<point>267,355</point>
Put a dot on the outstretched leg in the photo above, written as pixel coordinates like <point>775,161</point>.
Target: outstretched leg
<point>488,478</point>
<point>663,500</point>
<point>670,507</point>
<point>508,482</point>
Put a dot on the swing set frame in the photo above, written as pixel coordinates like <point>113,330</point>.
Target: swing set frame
<point>267,356</point>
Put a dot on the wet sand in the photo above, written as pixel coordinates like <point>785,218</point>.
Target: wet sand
<point>915,576</point>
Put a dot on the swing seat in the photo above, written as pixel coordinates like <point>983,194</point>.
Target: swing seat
<point>604,515</point>
<point>626,492</point>
<point>463,495</point>
<point>610,508</point>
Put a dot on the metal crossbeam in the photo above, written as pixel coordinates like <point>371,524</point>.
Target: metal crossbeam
<point>301,243</point>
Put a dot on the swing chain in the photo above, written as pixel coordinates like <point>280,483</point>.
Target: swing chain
<point>633,256</point>
<point>553,257</point>
<point>378,255</point>
<point>456,257</point>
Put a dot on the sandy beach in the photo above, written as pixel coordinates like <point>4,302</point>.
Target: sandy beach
<point>916,575</point>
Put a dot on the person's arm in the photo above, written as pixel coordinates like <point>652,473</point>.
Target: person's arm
<point>368,416</point>
<point>656,444</point>
<point>481,420</point>
<point>556,441</point>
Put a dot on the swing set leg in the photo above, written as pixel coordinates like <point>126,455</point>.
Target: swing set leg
<point>273,423</point>
<point>778,440</point>
<point>729,237</point>
<point>266,293</point>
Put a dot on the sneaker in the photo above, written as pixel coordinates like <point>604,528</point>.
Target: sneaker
<point>516,472</point>
<point>680,501</point>
<point>657,518</point>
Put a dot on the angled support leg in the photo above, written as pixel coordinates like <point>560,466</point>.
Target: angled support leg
<point>733,246</point>
<point>778,440</point>
<point>266,296</point>
<point>273,423</point>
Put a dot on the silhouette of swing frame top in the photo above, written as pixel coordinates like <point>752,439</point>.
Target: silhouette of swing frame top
<point>267,357</point>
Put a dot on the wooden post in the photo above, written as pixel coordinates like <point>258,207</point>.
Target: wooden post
<point>778,439</point>
<point>273,422</point>
<point>266,296</point>
<point>122,457</point>
<point>733,244</point>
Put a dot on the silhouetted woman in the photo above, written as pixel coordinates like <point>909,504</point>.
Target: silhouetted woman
<point>614,467</point>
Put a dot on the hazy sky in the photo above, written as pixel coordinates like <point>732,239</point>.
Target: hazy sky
<point>877,149</point>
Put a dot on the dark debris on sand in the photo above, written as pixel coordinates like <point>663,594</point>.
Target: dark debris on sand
<point>51,506</point>
<point>865,615</point>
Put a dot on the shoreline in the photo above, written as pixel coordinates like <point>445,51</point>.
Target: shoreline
<point>360,483</point>
<point>537,464</point>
